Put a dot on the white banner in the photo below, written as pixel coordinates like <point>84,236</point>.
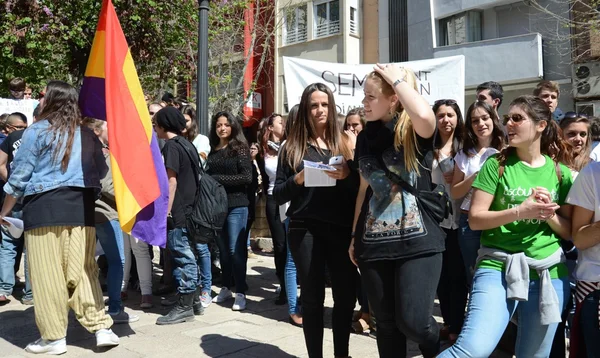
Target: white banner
<point>439,78</point>
<point>25,106</point>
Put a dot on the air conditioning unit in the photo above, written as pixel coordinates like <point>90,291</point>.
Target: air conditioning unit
<point>586,80</point>
<point>591,108</point>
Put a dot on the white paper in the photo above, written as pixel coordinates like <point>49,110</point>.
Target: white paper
<point>15,227</point>
<point>315,176</point>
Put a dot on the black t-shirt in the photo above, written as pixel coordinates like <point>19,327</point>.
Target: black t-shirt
<point>10,146</point>
<point>391,225</point>
<point>65,206</point>
<point>178,160</point>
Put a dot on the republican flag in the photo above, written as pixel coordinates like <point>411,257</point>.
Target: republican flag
<point>111,91</point>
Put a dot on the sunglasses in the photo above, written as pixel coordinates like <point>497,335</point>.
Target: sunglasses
<point>16,127</point>
<point>515,118</point>
<point>446,102</point>
<point>573,115</point>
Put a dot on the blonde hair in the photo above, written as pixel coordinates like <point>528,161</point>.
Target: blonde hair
<point>405,135</point>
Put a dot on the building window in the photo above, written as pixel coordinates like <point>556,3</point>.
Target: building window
<point>327,18</point>
<point>353,21</point>
<point>461,28</point>
<point>294,27</point>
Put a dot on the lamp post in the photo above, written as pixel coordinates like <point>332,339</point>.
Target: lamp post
<point>202,71</point>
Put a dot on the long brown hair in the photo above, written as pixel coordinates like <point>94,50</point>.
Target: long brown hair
<point>192,132</point>
<point>61,109</point>
<point>265,135</point>
<point>405,135</point>
<point>303,130</point>
<point>582,158</point>
<point>551,143</point>
<point>471,139</point>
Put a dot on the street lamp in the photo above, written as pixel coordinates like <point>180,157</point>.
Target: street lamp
<point>202,71</point>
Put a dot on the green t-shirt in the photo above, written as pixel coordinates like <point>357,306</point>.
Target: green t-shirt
<point>535,238</point>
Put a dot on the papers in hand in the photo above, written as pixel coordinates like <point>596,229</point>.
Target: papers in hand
<point>14,227</point>
<point>315,176</point>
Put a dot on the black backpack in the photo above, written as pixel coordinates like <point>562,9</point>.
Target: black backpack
<point>207,217</point>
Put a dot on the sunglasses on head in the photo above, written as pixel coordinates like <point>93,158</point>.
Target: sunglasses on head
<point>515,118</point>
<point>573,115</point>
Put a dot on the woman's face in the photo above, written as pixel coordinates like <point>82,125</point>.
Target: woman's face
<point>223,128</point>
<point>481,123</point>
<point>576,134</point>
<point>277,127</point>
<point>377,105</point>
<point>188,121</point>
<point>253,151</point>
<point>446,119</point>
<point>353,124</point>
<point>521,129</point>
<point>319,108</point>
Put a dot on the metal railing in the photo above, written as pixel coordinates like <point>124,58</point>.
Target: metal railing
<point>327,28</point>
<point>295,36</point>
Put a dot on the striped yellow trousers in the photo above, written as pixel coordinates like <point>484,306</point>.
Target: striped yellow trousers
<point>64,275</point>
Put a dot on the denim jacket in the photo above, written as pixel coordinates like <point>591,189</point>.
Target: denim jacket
<point>34,169</point>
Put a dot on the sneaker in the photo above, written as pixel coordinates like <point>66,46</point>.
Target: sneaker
<point>146,301</point>
<point>223,296</point>
<point>123,317</point>
<point>205,299</point>
<point>4,299</point>
<point>251,254</point>
<point>42,346</point>
<point>27,301</point>
<point>106,338</point>
<point>240,302</point>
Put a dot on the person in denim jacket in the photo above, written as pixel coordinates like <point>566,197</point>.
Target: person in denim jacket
<point>57,173</point>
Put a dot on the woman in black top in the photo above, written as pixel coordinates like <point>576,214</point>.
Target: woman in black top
<point>397,246</point>
<point>320,217</point>
<point>229,163</point>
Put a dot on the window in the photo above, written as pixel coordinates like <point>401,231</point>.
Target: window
<point>327,18</point>
<point>353,21</point>
<point>461,28</point>
<point>294,27</point>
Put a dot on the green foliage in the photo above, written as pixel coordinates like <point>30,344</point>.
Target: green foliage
<point>48,39</point>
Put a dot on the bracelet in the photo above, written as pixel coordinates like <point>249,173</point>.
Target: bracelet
<point>398,81</point>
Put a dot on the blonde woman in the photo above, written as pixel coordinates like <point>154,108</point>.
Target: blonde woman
<point>397,246</point>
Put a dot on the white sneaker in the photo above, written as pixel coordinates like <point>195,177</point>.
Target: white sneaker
<point>42,346</point>
<point>223,296</point>
<point>106,338</point>
<point>240,302</point>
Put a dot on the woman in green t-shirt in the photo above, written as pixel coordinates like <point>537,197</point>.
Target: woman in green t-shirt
<point>518,203</point>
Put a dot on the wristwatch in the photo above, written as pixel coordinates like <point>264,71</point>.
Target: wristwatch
<point>398,81</point>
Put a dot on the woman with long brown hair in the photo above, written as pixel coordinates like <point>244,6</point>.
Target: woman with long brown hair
<point>576,132</point>
<point>320,217</point>
<point>57,173</point>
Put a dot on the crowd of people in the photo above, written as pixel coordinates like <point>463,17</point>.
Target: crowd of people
<point>497,218</point>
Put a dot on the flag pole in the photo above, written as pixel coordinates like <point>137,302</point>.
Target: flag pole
<point>202,70</point>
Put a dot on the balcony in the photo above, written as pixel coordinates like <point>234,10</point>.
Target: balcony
<point>327,28</point>
<point>443,8</point>
<point>511,59</point>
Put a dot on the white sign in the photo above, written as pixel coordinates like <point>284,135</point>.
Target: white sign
<point>254,101</point>
<point>25,106</point>
<point>440,78</point>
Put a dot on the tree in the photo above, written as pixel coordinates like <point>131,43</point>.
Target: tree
<point>582,18</point>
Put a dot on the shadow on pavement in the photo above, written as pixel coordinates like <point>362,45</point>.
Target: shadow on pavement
<point>216,345</point>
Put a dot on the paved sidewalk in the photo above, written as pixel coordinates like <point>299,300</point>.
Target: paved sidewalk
<point>260,331</point>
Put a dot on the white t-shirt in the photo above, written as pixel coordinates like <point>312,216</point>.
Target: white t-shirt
<point>202,145</point>
<point>595,154</point>
<point>437,177</point>
<point>585,193</point>
<point>271,169</point>
<point>469,165</point>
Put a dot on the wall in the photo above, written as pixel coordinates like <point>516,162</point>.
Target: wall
<point>420,30</point>
<point>369,33</point>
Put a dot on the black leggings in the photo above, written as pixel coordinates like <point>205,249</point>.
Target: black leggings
<point>314,244</point>
<point>453,289</point>
<point>402,293</point>
<point>278,235</point>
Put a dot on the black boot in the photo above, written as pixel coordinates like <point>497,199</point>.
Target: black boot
<point>198,308</point>
<point>182,312</point>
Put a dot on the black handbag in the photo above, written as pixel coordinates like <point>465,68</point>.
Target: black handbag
<point>435,202</point>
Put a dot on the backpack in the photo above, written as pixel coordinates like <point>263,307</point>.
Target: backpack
<point>209,212</point>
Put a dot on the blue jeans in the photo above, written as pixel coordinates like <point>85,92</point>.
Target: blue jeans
<point>8,254</point>
<point>203,263</point>
<point>490,311</point>
<point>469,242</point>
<point>291,283</point>
<point>589,324</point>
<point>186,267</point>
<point>233,251</point>
<point>111,238</point>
